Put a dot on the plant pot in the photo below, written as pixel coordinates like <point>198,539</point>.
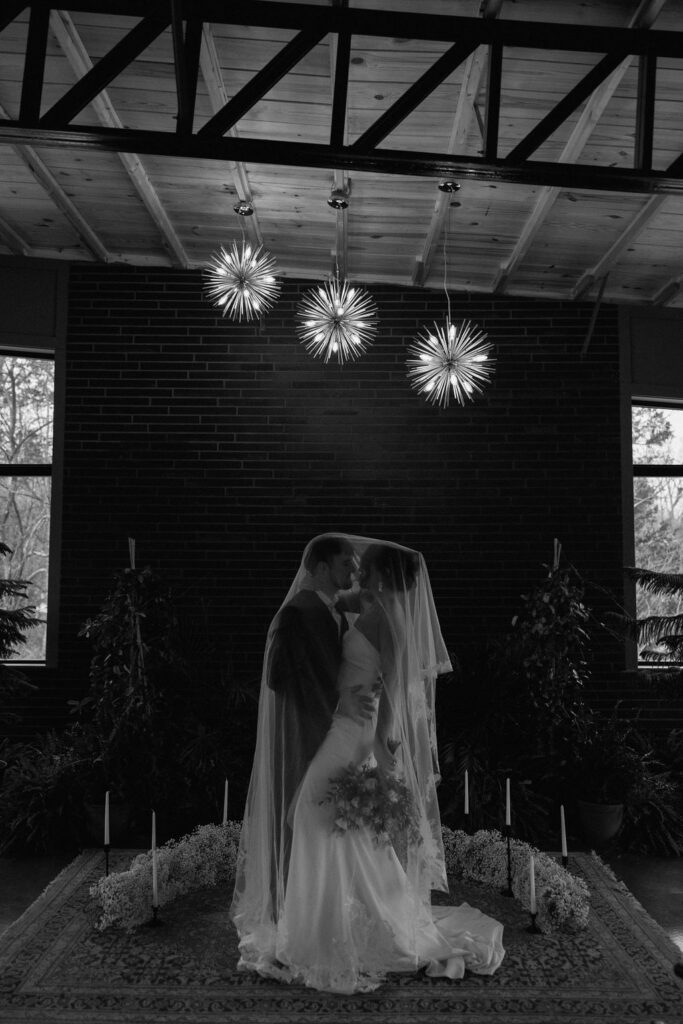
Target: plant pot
<point>600,822</point>
<point>119,820</point>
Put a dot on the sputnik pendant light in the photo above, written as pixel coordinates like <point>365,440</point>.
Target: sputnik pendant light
<point>451,360</point>
<point>336,321</point>
<point>241,281</point>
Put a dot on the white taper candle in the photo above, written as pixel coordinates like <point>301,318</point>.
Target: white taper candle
<point>467,792</point>
<point>508,819</point>
<point>563,831</point>
<point>532,885</point>
<point>155,878</point>
<point>225,803</point>
<point>106,818</point>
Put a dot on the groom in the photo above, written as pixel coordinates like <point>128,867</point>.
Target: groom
<point>303,665</point>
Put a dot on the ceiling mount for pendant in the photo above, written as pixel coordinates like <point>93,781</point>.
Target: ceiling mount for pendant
<point>339,199</point>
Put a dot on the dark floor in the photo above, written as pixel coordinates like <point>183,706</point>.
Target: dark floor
<point>657,883</point>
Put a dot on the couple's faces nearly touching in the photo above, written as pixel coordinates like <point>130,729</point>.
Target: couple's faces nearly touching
<point>341,568</point>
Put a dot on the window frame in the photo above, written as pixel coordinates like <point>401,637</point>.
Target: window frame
<point>50,344</point>
<point>653,469</point>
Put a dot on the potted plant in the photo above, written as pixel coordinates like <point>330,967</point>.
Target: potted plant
<point>609,763</point>
<point>123,727</point>
<point>518,702</point>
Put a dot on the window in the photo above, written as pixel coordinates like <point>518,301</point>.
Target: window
<point>657,440</point>
<point>26,447</point>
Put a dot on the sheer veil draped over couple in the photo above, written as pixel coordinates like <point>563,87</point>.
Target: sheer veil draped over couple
<point>348,693</point>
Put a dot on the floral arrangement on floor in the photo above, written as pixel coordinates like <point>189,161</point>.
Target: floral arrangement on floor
<point>370,797</point>
<point>562,900</point>
<point>204,858</point>
<point>208,857</point>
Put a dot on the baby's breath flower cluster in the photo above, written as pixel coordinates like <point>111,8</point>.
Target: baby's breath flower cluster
<point>202,859</point>
<point>372,798</point>
<point>562,899</point>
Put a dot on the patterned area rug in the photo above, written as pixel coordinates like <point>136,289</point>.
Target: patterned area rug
<point>55,968</point>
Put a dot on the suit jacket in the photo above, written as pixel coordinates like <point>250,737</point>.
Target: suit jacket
<point>303,664</point>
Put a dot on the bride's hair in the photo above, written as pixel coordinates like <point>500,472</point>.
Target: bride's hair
<point>397,567</point>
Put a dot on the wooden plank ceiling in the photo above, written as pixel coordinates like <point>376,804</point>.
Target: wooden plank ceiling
<point>562,121</point>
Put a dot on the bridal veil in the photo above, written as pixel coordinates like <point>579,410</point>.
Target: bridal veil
<point>416,656</point>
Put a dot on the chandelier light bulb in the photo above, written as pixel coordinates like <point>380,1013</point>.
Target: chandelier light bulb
<point>242,281</point>
<point>448,362</point>
<point>335,320</point>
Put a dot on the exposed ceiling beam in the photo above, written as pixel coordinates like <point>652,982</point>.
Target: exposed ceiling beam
<point>13,240</point>
<point>34,67</point>
<point>218,98</point>
<point>340,52</point>
<point>643,18</point>
<point>186,47</point>
<point>668,292</point>
<point>462,122</point>
<point>491,8</point>
<point>559,114</point>
<point>642,218</point>
<point>413,96</point>
<point>380,161</point>
<point>79,59</point>
<point>261,83</point>
<point>46,179</point>
<point>465,112</point>
<point>409,25</point>
<point>99,76</point>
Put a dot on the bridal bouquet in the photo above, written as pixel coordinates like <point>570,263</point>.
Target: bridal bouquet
<point>373,798</point>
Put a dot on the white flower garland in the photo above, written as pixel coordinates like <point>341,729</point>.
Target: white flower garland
<point>562,899</point>
<point>204,858</point>
<point>208,857</point>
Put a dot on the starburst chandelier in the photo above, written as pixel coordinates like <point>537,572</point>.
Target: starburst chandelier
<point>241,281</point>
<point>336,320</point>
<point>453,359</point>
<point>450,360</point>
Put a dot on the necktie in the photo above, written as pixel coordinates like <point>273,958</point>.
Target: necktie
<point>343,624</point>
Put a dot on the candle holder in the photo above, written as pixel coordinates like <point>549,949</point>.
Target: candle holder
<point>467,828</point>
<point>155,922</point>
<point>106,859</point>
<point>508,889</point>
<point>533,928</point>
<point>565,861</point>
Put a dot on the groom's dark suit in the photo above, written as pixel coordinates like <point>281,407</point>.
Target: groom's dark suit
<point>304,660</point>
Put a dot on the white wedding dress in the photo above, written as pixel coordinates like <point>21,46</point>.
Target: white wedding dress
<point>350,914</point>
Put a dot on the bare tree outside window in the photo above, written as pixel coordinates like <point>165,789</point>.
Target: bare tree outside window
<point>657,434</point>
<point>26,425</point>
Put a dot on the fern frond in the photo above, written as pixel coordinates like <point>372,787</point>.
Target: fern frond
<point>657,582</point>
<point>652,656</point>
<point>653,628</point>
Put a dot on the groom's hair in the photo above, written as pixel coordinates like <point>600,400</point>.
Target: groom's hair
<point>324,549</point>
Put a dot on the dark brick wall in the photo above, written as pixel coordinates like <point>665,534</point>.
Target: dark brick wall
<point>222,448</point>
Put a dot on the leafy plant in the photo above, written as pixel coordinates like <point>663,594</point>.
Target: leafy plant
<point>41,805</point>
<point>17,616</point>
<point>520,702</point>
<point>609,760</point>
<point>653,821</point>
<point>663,633</point>
<point>124,716</point>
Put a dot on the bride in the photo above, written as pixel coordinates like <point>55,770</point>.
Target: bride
<point>336,904</point>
